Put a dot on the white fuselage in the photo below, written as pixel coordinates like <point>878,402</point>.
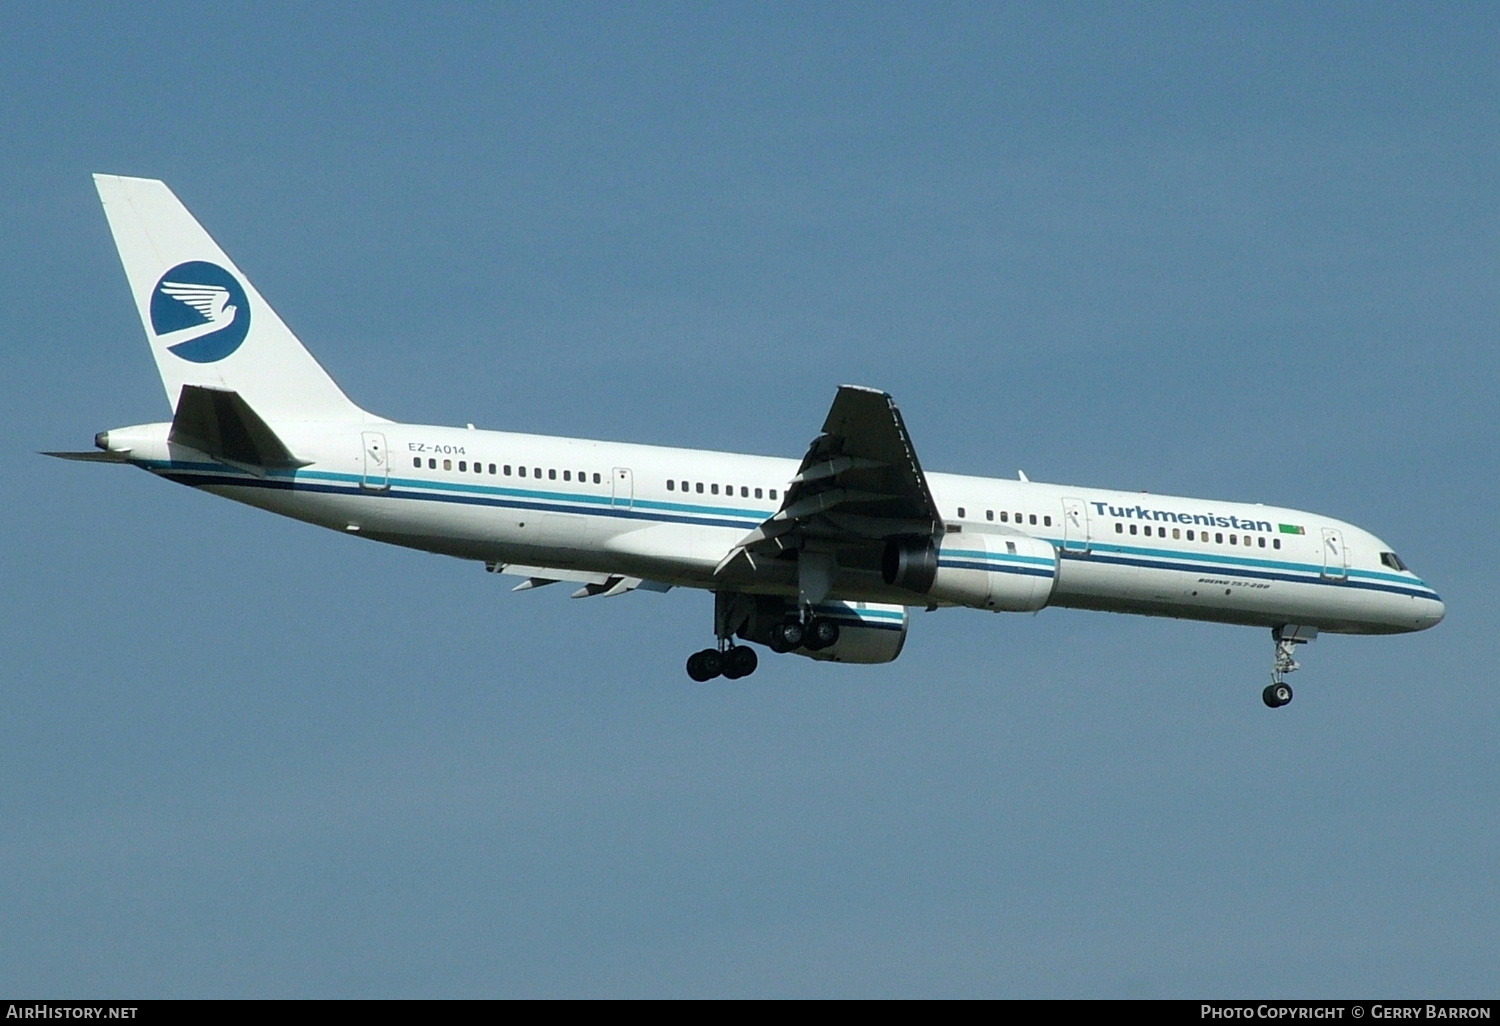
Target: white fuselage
<point>671,515</point>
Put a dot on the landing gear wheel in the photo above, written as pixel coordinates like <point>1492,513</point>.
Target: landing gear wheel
<point>821,634</point>
<point>705,665</point>
<point>740,662</point>
<point>790,634</point>
<point>1277,695</point>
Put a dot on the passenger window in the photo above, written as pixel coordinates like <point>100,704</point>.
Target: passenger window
<point>744,492</point>
<point>432,464</point>
<point>1219,538</point>
<point>960,512</point>
<point>989,514</point>
<point>1132,529</point>
<point>463,465</point>
<point>758,494</point>
<point>671,484</point>
<point>1047,521</point>
<point>551,475</point>
<point>1275,543</point>
<point>596,479</point>
<point>1004,517</point>
<point>713,489</point>
<point>479,468</point>
<point>1176,533</point>
<point>1119,528</point>
<point>417,462</point>
<point>1190,534</point>
<point>1033,520</point>
<point>568,475</point>
<point>1261,542</point>
<point>773,493</point>
<point>492,468</point>
<point>536,472</point>
<point>521,471</point>
<point>505,470</point>
<point>1233,540</point>
<point>447,464</point>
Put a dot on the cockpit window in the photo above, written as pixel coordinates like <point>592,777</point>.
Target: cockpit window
<point>1392,560</point>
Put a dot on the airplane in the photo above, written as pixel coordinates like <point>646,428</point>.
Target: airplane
<point>820,557</point>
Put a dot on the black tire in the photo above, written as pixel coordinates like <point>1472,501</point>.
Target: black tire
<point>740,662</point>
<point>711,662</point>
<point>791,634</point>
<point>775,644</point>
<point>824,633</point>
<point>695,667</point>
<point>1276,695</point>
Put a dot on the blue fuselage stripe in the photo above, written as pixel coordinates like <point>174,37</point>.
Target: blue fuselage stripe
<point>328,483</point>
<point>474,495</point>
<point>1313,575</point>
<point>996,568</point>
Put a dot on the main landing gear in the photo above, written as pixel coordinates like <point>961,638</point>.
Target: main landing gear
<point>814,634</point>
<point>1278,693</point>
<point>731,661</point>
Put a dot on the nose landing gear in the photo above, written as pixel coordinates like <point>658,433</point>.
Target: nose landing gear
<point>1278,693</point>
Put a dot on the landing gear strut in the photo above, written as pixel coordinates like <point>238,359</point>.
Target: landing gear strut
<point>1278,693</point>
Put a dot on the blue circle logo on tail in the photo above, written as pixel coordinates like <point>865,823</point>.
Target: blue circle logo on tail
<point>200,311</point>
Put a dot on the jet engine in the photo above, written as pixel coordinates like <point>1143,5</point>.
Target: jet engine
<point>1013,573</point>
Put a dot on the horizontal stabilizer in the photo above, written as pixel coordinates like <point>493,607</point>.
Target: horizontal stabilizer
<point>219,423</point>
<point>95,456</point>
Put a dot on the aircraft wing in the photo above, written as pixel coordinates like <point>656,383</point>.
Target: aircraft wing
<point>859,484</point>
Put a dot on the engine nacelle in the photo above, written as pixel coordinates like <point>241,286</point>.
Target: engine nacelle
<point>1013,573</point>
<point>868,632</point>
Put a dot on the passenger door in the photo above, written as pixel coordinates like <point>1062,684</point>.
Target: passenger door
<point>1075,525</point>
<point>1335,557</point>
<point>623,493</point>
<point>377,475</point>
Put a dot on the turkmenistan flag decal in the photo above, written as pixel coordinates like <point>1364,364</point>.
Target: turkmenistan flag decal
<point>1292,529</point>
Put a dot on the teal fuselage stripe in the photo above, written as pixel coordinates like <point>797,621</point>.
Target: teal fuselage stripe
<point>331,483</point>
<point>328,483</point>
<point>1262,569</point>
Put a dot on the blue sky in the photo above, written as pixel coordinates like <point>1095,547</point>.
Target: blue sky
<point>1235,251</point>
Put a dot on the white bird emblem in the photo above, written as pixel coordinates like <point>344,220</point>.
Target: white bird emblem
<point>212,301</point>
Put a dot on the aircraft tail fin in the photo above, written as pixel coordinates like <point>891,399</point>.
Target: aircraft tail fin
<point>209,328</point>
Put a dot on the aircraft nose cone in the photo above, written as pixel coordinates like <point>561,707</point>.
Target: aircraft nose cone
<point>1431,612</point>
